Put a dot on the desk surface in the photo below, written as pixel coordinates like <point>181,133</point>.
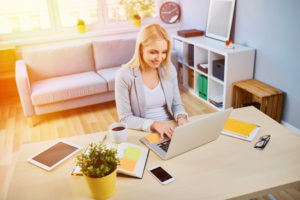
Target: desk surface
<point>223,169</point>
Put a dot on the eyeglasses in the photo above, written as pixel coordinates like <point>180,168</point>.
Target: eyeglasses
<point>263,141</point>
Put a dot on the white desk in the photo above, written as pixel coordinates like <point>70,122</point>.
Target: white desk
<point>223,169</point>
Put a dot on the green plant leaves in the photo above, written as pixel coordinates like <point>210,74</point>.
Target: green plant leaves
<point>99,161</point>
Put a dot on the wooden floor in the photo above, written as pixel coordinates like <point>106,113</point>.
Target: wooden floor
<point>14,131</point>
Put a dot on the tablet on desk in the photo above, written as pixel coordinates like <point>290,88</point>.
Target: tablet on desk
<point>54,155</point>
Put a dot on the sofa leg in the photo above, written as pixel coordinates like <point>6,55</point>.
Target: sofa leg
<point>32,121</point>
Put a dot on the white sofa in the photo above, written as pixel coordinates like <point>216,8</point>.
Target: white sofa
<point>55,79</point>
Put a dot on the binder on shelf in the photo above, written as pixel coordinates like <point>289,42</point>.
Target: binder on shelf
<point>240,129</point>
<point>202,86</point>
<point>190,55</point>
<point>190,78</point>
<point>132,157</point>
<point>179,72</point>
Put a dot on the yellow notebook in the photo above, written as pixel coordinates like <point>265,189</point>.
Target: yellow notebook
<point>238,127</point>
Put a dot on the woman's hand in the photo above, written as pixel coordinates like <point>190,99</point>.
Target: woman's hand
<point>182,121</point>
<point>163,128</point>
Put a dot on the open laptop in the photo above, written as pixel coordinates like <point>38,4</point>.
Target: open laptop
<point>191,135</point>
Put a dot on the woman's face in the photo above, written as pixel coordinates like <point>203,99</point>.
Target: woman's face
<point>154,53</point>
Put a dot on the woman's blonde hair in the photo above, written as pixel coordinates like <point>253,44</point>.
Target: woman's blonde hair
<point>147,35</point>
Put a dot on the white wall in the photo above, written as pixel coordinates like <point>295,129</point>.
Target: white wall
<point>194,14</point>
<point>273,28</point>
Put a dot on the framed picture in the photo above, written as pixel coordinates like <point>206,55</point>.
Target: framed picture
<point>219,21</point>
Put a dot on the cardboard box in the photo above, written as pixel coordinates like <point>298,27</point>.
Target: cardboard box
<point>190,33</point>
<point>203,67</point>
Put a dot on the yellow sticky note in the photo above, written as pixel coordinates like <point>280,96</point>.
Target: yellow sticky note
<point>132,153</point>
<point>153,138</point>
<point>239,127</point>
<point>127,164</point>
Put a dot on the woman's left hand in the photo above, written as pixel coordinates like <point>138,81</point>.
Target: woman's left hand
<point>182,121</point>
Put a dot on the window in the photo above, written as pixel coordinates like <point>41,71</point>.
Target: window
<point>119,10</point>
<point>30,18</point>
<point>18,15</point>
<point>72,10</point>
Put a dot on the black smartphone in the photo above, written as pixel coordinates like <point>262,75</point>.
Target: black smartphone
<point>161,175</point>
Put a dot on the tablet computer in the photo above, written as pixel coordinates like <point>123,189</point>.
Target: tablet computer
<point>54,155</point>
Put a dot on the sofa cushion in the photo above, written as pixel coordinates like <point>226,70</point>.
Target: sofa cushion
<point>67,87</point>
<point>75,103</point>
<point>113,53</point>
<point>53,62</point>
<point>109,75</point>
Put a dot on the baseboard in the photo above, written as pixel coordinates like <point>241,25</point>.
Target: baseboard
<point>290,127</point>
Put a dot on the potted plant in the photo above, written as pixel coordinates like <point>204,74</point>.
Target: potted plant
<point>81,26</point>
<point>99,167</point>
<point>136,20</point>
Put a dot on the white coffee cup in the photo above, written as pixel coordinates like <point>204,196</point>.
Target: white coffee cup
<point>118,132</point>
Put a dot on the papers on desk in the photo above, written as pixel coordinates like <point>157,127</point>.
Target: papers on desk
<point>132,157</point>
<point>240,129</point>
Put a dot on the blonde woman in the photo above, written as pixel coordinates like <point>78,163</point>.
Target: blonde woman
<point>146,88</point>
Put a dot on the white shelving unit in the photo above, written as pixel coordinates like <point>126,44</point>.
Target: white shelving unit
<point>238,66</point>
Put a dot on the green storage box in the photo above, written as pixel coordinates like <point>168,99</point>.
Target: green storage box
<point>202,86</point>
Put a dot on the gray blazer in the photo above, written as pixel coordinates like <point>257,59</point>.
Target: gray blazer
<point>130,99</point>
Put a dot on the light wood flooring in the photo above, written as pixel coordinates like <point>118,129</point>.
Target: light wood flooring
<point>14,131</point>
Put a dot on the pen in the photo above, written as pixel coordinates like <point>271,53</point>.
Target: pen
<point>103,139</point>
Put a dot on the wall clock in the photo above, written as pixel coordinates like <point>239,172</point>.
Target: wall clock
<point>170,12</point>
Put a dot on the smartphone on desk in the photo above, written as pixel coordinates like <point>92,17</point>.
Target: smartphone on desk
<point>161,175</point>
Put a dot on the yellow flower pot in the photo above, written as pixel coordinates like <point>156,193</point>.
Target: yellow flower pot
<point>81,28</point>
<point>136,22</point>
<point>104,187</point>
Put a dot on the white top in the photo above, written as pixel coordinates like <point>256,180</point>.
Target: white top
<point>156,106</point>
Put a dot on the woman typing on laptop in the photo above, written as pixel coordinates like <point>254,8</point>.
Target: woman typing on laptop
<point>146,88</point>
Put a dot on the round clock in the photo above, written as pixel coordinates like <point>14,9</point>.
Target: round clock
<point>170,12</point>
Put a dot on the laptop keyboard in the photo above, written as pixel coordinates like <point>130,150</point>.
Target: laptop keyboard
<point>164,145</point>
